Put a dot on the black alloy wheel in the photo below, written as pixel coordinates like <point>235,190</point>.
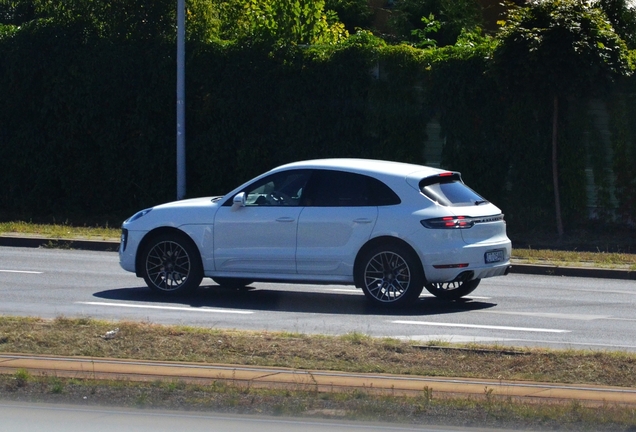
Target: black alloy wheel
<point>391,275</point>
<point>171,264</point>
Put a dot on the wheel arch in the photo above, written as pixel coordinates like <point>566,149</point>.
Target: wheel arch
<point>382,240</point>
<point>159,231</point>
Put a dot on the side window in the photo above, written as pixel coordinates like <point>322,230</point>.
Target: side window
<point>282,188</point>
<point>342,189</point>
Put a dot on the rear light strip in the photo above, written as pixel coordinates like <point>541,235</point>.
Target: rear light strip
<point>449,266</point>
<point>459,222</point>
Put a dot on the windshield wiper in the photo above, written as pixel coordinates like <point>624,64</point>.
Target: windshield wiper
<point>480,202</point>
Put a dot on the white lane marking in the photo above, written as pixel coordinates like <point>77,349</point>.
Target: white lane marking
<point>358,291</point>
<point>450,338</point>
<point>20,271</point>
<point>579,317</point>
<point>186,309</point>
<point>489,327</point>
<point>517,341</point>
<point>463,298</point>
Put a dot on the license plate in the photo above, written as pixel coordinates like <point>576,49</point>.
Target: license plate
<point>494,256</point>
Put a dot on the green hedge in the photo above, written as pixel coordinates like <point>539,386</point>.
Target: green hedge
<point>87,124</point>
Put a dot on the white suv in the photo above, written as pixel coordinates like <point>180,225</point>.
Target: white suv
<point>389,228</point>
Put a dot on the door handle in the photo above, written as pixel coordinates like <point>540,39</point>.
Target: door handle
<point>285,219</point>
<point>362,221</point>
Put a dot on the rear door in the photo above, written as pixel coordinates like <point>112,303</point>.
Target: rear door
<point>339,214</point>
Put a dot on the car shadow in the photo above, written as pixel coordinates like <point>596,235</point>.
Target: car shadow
<point>214,296</point>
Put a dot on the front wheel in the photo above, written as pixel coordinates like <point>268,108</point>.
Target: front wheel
<point>452,290</point>
<point>391,275</point>
<point>171,264</point>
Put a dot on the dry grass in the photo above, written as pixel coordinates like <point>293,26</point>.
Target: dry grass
<point>485,412</point>
<point>349,353</point>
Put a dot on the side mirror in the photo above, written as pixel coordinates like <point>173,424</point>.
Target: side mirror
<point>238,200</point>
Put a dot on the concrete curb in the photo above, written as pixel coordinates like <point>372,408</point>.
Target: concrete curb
<point>519,268</point>
<point>56,243</point>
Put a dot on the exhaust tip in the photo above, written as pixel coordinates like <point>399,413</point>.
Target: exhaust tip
<point>464,276</point>
<point>507,270</point>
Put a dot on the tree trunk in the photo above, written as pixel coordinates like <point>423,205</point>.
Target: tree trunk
<point>555,168</point>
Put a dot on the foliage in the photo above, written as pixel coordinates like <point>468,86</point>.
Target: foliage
<point>88,121</point>
<point>16,12</point>
<point>454,16</point>
<point>430,26</point>
<point>622,15</point>
<point>559,47</point>
<point>281,22</point>
<point>354,14</point>
<point>549,52</point>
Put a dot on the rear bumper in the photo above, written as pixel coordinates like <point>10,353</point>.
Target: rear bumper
<point>472,272</point>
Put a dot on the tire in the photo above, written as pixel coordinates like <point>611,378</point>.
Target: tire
<point>391,275</point>
<point>452,290</point>
<point>171,264</point>
<point>234,283</point>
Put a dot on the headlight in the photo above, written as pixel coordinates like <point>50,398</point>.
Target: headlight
<point>138,215</point>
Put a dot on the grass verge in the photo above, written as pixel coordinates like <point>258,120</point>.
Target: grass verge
<point>349,353</point>
<point>425,408</point>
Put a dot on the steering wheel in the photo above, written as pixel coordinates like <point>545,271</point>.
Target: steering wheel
<point>279,198</point>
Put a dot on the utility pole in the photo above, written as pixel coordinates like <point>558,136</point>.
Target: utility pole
<point>181,151</point>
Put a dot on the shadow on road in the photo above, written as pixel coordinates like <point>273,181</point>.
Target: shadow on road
<point>266,299</point>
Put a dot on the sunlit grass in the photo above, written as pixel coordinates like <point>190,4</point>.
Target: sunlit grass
<point>59,231</point>
<point>559,257</point>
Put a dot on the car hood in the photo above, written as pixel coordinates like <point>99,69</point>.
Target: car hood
<point>188,203</point>
<point>177,213</point>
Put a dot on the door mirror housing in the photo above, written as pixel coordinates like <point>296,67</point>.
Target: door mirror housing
<point>238,200</point>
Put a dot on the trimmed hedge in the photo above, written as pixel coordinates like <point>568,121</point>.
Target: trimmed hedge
<point>87,124</point>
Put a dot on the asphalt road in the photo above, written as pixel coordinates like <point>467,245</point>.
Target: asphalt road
<point>520,310</point>
<point>17,417</point>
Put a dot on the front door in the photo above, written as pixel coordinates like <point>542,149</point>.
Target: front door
<point>260,237</point>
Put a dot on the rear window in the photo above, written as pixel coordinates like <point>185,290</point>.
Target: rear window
<point>450,191</point>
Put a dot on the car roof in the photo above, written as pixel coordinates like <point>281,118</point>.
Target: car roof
<point>373,167</point>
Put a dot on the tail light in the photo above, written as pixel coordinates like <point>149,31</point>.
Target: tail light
<point>449,222</point>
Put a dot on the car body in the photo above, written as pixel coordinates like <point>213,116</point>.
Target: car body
<point>389,228</point>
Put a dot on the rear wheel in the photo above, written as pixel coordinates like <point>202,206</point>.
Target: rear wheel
<point>452,290</point>
<point>391,275</point>
<point>171,264</point>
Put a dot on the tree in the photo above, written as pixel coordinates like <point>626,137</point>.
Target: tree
<point>453,16</point>
<point>622,15</point>
<point>559,48</point>
<point>285,22</point>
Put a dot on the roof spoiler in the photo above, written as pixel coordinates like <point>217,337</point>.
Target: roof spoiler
<point>443,177</point>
